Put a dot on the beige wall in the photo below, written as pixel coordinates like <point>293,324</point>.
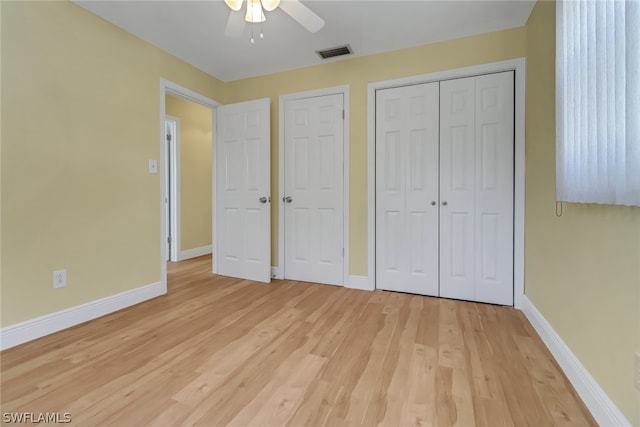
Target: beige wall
<point>358,73</point>
<point>195,171</point>
<point>81,120</point>
<point>582,269</point>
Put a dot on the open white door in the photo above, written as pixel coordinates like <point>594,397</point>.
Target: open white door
<point>242,217</point>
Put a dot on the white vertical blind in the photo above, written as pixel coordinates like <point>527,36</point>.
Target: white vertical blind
<point>598,101</point>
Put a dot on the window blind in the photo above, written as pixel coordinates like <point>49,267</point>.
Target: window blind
<point>598,101</point>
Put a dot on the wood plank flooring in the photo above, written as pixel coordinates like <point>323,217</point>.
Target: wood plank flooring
<point>218,351</point>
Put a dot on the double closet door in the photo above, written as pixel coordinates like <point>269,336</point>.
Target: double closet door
<point>444,188</point>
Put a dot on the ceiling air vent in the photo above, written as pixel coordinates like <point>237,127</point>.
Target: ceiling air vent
<point>335,51</point>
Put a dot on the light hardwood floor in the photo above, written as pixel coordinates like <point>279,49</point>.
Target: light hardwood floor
<point>220,351</point>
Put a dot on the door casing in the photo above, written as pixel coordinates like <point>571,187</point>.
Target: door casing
<point>169,88</point>
<point>519,67</point>
<point>278,272</point>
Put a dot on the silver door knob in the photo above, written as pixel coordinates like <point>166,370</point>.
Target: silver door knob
<point>444,203</point>
<point>433,203</point>
<point>262,199</point>
<point>287,199</point>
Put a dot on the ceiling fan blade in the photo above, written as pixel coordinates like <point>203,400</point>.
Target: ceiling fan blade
<point>234,4</point>
<point>301,13</point>
<point>235,25</point>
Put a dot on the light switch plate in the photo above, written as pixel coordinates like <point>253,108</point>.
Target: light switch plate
<point>60,279</point>
<point>153,166</point>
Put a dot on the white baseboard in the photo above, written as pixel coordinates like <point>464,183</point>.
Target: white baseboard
<point>605,412</point>
<point>355,282</point>
<point>275,273</point>
<point>360,282</point>
<point>194,253</point>
<point>29,330</point>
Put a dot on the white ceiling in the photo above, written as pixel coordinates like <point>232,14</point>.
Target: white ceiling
<point>194,30</point>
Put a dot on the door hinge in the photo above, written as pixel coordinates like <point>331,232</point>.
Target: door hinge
<point>169,137</point>
<point>343,252</point>
<point>169,240</point>
<point>342,114</point>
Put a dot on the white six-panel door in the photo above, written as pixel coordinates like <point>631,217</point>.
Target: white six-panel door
<point>457,188</point>
<point>472,226</point>
<point>494,181</point>
<point>476,212</point>
<point>407,189</point>
<point>313,189</point>
<point>243,212</point>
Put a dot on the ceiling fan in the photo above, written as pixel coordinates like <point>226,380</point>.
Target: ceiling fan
<point>255,14</point>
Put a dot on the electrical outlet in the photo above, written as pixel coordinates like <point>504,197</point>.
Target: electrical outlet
<point>636,372</point>
<point>60,279</point>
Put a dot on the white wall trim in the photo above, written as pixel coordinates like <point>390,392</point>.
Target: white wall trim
<point>169,88</point>
<point>29,330</point>
<point>344,90</point>
<point>605,412</point>
<point>195,252</point>
<point>214,189</point>
<point>519,67</point>
<point>360,282</point>
<point>275,273</point>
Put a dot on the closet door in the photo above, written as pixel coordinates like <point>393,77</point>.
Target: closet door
<point>457,188</point>
<point>494,188</point>
<point>407,189</point>
<point>476,206</point>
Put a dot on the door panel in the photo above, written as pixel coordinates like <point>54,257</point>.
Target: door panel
<point>494,188</point>
<point>457,180</point>
<point>242,179</point>
<point>476,227</point>
<point>313,179</point>
<point>406,185</point>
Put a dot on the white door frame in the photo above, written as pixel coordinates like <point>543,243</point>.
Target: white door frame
<point>169,88</point>
<point>517,65</point>
<point>174,185</point>
<point>278,272</point>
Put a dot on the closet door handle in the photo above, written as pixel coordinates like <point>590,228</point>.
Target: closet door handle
<point>444,203</point>
<point>433,203</point>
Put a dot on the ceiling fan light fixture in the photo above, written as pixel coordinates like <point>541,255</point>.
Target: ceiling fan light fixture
<point>234,4</point>
<point>254,12</point>
<point>270,5</point>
